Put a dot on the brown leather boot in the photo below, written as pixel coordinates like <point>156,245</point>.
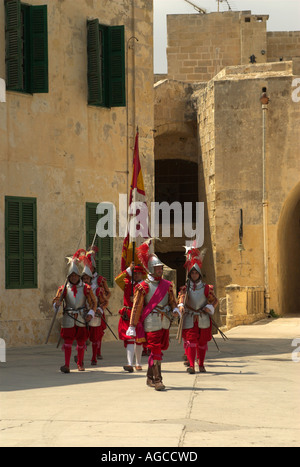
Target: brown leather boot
<point>159,386</point>
<point>150,381</point>
<point>65,369</point>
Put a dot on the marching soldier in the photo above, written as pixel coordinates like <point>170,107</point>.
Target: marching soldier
<point>197,302</point>
<point>153,307</point>
<point>99,282</point>
<point>79,309</point>
<point>97,325</point>
<point>133,345</point>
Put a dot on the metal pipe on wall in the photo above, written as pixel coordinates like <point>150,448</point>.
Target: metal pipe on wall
<point>264,99</point>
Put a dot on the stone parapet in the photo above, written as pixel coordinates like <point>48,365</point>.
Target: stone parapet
<point>245,305</point>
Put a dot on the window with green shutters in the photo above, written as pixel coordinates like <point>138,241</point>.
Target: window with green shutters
<point>26,47</point>
<point>20,243</point>
<point>106,65</point>
<point>104,257</point>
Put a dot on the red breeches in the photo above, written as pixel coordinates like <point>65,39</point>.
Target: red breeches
<point>155,343</point>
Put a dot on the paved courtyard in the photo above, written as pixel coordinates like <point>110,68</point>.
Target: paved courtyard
<point>248,397</point>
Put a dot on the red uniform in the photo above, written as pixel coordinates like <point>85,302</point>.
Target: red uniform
<point>78,299</point>
<point>125,282</point>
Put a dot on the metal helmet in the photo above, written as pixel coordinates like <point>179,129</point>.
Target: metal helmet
<point>147,259</point>
<point>194,260</point>
<point>73,267</point>
<point>153,261</point>
<point>87,271</point>
<point>197,268</point>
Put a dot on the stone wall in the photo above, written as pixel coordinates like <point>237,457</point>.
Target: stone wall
<point>230,135</point>
<point>244,305</point>
<point>64,153</point>
<point>199,46</point>
<point>283,45</point>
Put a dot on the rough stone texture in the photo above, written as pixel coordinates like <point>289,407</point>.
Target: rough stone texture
<point>231,148</point>
<point>211,52</point>
<point>56,148</point>
<point>200,46</point>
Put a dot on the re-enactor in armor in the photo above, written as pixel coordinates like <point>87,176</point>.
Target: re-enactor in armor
<point>100,288</point>
<point>153,307</point>
<point>127,281</point>
<point>197,302</point>
<point>79,307</point>
<point>97,325</point>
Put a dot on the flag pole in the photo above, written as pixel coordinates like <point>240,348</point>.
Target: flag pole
<point>134,241</point>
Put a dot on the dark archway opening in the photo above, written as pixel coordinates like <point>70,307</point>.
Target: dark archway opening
<point>289,254</point>
<point>176,180</point>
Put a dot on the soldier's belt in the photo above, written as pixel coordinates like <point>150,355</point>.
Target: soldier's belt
<point>73,310</point>
<point>160,309</point>
<point>191,310</point>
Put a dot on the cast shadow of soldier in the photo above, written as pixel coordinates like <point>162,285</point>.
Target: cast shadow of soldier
<point>38,367</point>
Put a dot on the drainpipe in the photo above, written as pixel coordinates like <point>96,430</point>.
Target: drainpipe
<point>264,99</point>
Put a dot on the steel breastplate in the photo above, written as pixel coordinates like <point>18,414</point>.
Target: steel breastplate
<point>196,298</point>
<point>152,289</point>
<point>157,320</point>
<point>74,305</point>
<point>195,301</point>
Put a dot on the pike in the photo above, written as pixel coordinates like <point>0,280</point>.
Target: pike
<point>180,327</point>
<point>92,246</point>
<point>56,311</point>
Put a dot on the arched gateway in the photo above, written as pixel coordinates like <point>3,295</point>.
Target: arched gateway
<point>289,254</point>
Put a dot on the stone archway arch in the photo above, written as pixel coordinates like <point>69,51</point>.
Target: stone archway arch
<point>289,253</point>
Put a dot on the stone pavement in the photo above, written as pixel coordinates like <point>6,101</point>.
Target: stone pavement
<point>248,397</point>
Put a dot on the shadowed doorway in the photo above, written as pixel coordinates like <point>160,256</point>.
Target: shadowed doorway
<point>289,254</point>
<point>176,180</point>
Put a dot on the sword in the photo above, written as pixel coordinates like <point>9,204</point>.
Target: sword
<point>108,311</point>
<point>225,338</point>
<point>109,328</point>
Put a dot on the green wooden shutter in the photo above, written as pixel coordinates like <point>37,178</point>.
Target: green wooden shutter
<point>29,244</point>
<point>12,244</point>
<point>95,91</point>
<point>13,45</point>
<point>20,243</point>
<point>104,259</point>
<point>39,82</point>
<point>116,58</point>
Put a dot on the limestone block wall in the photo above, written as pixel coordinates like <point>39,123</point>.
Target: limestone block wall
<point>64,153</point>
<point>232,168</point>
<point>253,37</point>
<point>283,45</point>
<point>200,46</point>
<point>244,305</point>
